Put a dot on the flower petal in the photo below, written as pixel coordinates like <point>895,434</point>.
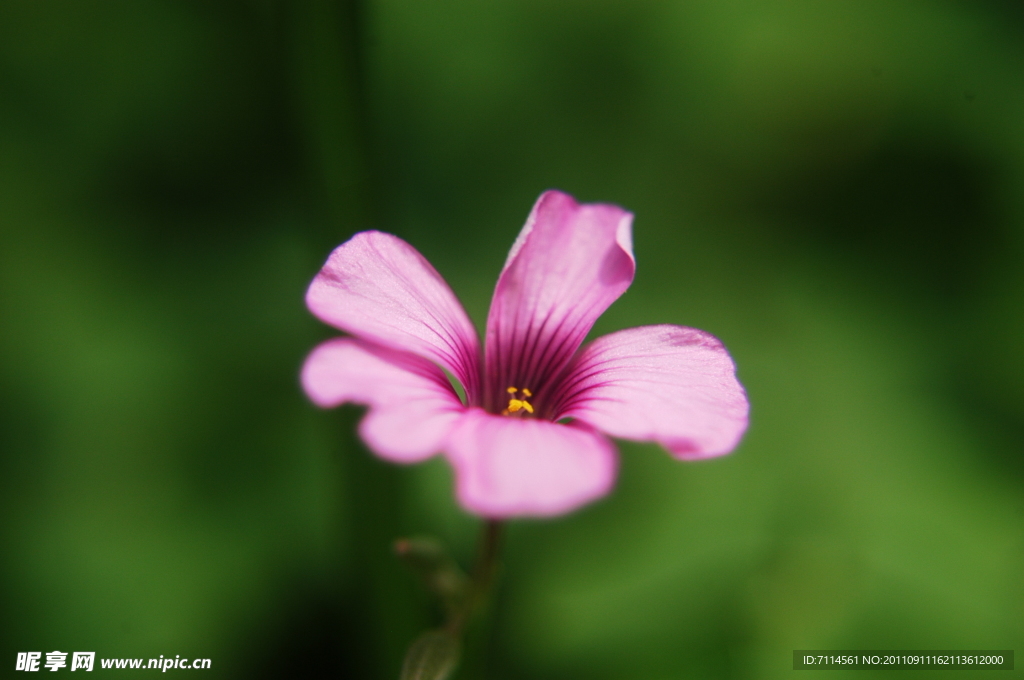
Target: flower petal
<point>412,404</point>
<point>670,384</point>
<point>378,287</point>
<point>508,466</point>
<point>569,263</point>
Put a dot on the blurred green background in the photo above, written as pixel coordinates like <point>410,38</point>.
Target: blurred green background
<point>835,189</point>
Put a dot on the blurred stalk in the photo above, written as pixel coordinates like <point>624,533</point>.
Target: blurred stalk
<point>331,100</point>
<point>331,90</point>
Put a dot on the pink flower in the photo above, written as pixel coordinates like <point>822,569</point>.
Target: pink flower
<point>531,437</point>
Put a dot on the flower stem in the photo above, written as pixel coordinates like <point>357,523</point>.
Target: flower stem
<point>484,573</point>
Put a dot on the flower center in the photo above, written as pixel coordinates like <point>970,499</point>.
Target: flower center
<point>516,405</point>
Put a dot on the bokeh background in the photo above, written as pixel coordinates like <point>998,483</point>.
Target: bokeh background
<point>835,189</point>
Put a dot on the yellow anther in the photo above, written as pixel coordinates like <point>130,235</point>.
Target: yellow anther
<point>516,405</point>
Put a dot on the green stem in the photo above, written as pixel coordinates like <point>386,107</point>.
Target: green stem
<point>483,575</point>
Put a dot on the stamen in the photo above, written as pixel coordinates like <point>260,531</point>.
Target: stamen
<point>516,405</point>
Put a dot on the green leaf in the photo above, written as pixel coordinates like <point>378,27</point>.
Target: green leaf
<point>432,656</point>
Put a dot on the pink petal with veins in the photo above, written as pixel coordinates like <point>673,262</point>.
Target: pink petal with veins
<point>378,287</point>
<point>512,467</point>
<point>569,263</point>
<point>413,406</point>
<point>670,384</point>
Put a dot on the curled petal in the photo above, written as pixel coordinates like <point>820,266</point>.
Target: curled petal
<point>413,406</point>
<point>569,263</point>
<point>670,384</point>
<point>508,466</point>
<point>378,287</point>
